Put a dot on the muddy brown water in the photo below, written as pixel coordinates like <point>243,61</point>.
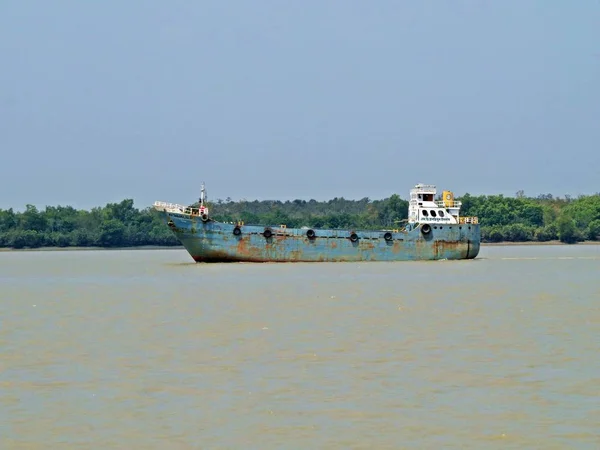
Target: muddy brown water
<point>146,349</point>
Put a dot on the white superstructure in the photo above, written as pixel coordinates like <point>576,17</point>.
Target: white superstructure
<point>424,208</point>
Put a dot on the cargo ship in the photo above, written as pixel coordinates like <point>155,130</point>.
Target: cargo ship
<point>434,230</point>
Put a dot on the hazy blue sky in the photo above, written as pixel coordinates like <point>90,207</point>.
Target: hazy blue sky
<point>113,99</point>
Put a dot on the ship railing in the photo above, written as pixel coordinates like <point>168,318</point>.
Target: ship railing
<point>448,204</point>
<point>177,208</point>
<point>170,206</point>
<point>469,220</point>
<point>424,189</point>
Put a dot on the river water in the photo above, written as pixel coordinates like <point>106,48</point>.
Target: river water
<point>146,349</point>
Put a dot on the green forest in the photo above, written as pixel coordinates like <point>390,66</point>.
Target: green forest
<point>502,218</point>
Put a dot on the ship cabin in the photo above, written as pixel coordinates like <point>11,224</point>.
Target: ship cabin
<point>425,208</point>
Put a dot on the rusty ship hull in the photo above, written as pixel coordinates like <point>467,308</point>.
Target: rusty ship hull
<point>212,241</point>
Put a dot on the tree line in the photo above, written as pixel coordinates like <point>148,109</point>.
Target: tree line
<point>114,225</point>
<point>502,218</point>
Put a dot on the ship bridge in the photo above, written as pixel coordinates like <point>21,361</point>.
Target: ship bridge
<point>424,208</point>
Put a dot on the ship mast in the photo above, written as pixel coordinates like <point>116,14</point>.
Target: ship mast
<point>202,195</point>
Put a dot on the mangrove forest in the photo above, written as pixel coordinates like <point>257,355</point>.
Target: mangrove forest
<point>503,219</point>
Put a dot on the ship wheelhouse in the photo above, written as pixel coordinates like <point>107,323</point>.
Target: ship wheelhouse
<point>424,208</point>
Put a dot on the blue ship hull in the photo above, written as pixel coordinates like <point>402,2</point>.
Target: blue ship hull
<point>211,241</point>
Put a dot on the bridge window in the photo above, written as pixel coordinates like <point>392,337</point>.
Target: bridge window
<point>425,213</point>
<point>433,214</point>
<point>441,213</point>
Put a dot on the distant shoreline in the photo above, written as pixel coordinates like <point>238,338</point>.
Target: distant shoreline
<point>69,249</point>
<point>180,247</point>
<point>507,243</point>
